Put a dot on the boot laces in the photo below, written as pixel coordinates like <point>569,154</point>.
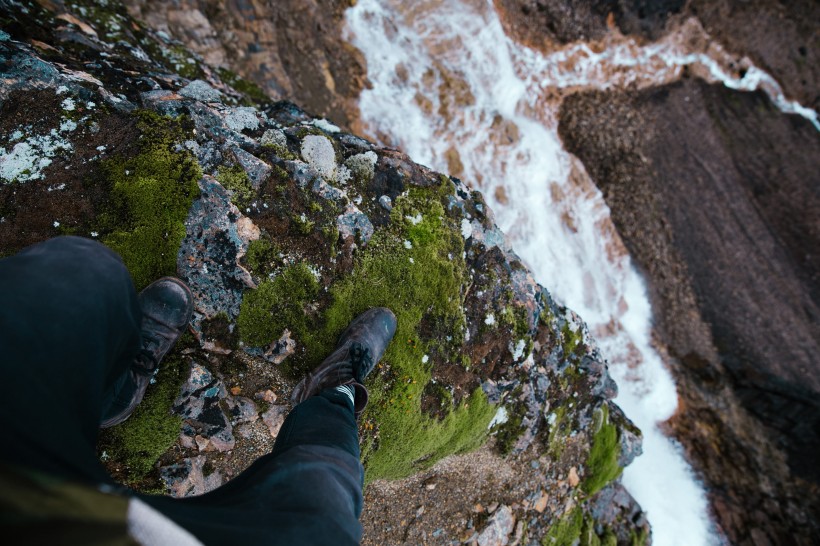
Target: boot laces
<point>146,362</point>
<point>360,358</point>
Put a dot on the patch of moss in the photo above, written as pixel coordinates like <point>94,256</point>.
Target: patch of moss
<point>602,464</point>
<point>571,341</point>
<point>555,442</point>
<point>301,224</point>
<point>183,62</point>
<point>262,256</point>
<point>283,153</point>
<point>254,93</point>
<point>588,535</point>
<point>236,180</point>
<point>509,432</point>
<point>151,194</point>
<point>152,429</point>
<point>567,531</point>
<point>420,283</point>
<point>276,305</point>
<point>638,538</point>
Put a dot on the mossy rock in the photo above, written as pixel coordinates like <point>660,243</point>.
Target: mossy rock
<point>151,193</point>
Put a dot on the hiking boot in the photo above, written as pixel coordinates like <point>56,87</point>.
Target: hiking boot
<point>167,305</point>
<point>358,350</point>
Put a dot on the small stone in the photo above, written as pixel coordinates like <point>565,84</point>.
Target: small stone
<point>241,118</point>
<point>280,349</point>
<point>498,529</point>
<point>386,202</point>
<point>492,507</point>
<point>267,395</point>
<point>274,418</point>
<point>541,503</point>
<point>187,478</point>
<point>236,391</point>
<point>319,153</point>
<point>200,90</point>
<point>573,478</point>
<point>274,137</point>
<point>478,508</point>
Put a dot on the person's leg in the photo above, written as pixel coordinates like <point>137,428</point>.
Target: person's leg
<point>69,329</point>
<point>308,490</point>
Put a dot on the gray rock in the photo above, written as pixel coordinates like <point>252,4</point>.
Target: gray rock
<point>498,529</point>
<point>241,410</point>
<point>273,137</point>
<point>187,478</point>
<point>353,223</point>
<point>242,118</point>
<point>198,404</point>
<point>256,169</point>
<point>217,234</point>
<point>200,90</point>
<point>318,151</point>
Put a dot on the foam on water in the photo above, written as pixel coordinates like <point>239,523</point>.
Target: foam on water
<point>455,93</point>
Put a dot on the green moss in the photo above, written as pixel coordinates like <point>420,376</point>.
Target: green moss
<point>567,531</point>
<point>149,201</point>
<point>262,256</point>
<point>183,62</point>
<point>609,538</point>
<point>602,464</point>
<point>301,224</point>
<point>572,341</point>
<point>420,283</point>
<point>555,442</point>
<point>638,538</point>
<point>509,432</point>
<point>236,180</point>
<point>588,535</point>
<point>283,153</point>
<point>152,429</point>
<point>253,92</point>
<point>276,305</point>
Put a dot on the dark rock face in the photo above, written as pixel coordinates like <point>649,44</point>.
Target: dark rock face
<point>293,50</point>
<point>780,37</point>
<point>538,22</point>
<point>717,196</point>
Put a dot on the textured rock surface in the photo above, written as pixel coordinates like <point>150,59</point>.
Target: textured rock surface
<point>292,50</point>
<point>286,228</point>
<point>716,195</point>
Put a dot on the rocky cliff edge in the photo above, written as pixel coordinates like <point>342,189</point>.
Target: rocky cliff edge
<point>286,228</point>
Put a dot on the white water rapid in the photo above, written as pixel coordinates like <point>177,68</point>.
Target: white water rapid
<point>455,93</point>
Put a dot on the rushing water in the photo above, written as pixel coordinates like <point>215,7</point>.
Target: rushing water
<point>455,93</point>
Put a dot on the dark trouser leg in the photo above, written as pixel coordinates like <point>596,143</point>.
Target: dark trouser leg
<point>308,490</point>
<point>69,329</point>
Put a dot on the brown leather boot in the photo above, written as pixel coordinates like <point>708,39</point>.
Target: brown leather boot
<point>358,350</point>
<point>167,306</point>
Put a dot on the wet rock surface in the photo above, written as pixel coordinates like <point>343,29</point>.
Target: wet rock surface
<point>715,193</point>
<point>280,224</point>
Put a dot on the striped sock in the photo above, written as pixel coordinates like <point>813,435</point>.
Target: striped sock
<point>347,390</point>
